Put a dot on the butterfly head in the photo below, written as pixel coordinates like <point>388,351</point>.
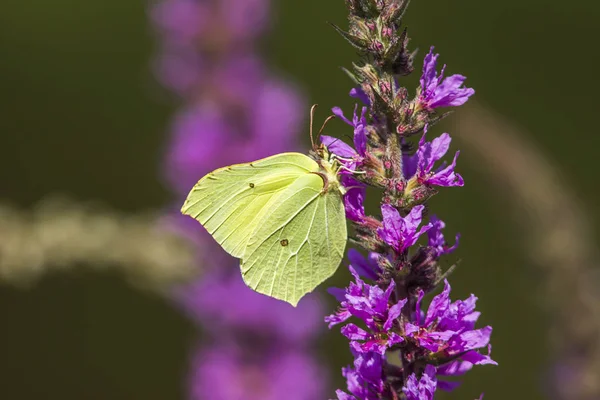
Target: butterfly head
<point>329,168</point>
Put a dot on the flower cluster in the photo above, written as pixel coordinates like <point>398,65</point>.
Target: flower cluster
<point>208,58</point>
<point>403,347</point>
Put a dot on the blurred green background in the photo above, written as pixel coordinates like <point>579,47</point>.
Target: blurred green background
<point>82,115</point>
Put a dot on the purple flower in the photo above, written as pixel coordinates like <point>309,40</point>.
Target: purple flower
<point>352,156</point>
<point>436,237</point>
<point>203,131</point>
<point>359,124</point>
<point>180,20</point>
<point>421,389</point>
<point>448,328</point>
<point>372,305</point>
<point>421,165</point>
<point>359,93</point>
<point>365,267</point>
<point>398,232</point>
<point>354,198</point>
<point>437,91</point>
<point>365,380</point>
<point>180,69</point>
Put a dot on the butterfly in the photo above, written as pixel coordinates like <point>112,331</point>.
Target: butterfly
<point>283,216</point>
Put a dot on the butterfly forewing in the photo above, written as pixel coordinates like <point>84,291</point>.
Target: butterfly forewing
<point>231,201</point>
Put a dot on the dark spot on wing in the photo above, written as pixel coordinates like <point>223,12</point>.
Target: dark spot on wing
<point>284,242</point>
<point>252,165</point>
<point>251,185</point>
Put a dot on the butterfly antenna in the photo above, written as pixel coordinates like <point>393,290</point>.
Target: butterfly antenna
<point>325,123</point>
<point>312,118</point>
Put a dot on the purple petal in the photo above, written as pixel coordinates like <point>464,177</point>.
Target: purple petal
<point>338,147</point>
<point>450,93</point>
<point>413,219</point>
<point>393,314</point>
<point>439,305</point>
<point>476,358</point>
<point>338,293</point>
<point>360,132</point>
<point>370,368</point>
<point>431,152</point>
<point>359,94</point>
<point>364,267</point>
<point>441,336</point>
<point>418,311</point>
<point>341,395</point>
<point>447,386</point>
<point>476,339</point>
<point>437,91</point>
<point>447,177</point>
<point>428,78</point>
<point>340,114</point>
<point>437,239</point>
<point>354,198</point>
<point>392,225</point>
<point>341,316</point>
<point>353,332</point>
<point>409,329</point>
<point>394,338</point>
<point>422,389</point>
<point>455,368</point>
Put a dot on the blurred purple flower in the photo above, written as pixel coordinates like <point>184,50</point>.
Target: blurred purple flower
<point>226,373</point>
<point>225,300</point>
<point>181,20</point>
<point>437,91</point>
<point>235,112</point>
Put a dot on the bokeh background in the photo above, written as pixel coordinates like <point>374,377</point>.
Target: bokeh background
<point>82,115</point>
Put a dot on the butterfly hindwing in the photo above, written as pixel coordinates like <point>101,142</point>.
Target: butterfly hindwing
<point>299,243</point>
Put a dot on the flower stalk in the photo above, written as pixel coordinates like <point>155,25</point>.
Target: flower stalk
<point>402,349</point>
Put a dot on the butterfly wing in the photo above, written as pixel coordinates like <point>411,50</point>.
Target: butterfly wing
<point>230,201</point>
<point>299,243</point>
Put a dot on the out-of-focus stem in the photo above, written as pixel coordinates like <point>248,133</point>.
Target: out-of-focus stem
<point>60,235</point>
<point>558,238</point>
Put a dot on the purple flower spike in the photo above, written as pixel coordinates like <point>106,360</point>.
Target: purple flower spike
<point>437,91</point>
<point>421,389</point>
<point>436,237</point>
<point>422,163</point>
<point>398,232</point>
